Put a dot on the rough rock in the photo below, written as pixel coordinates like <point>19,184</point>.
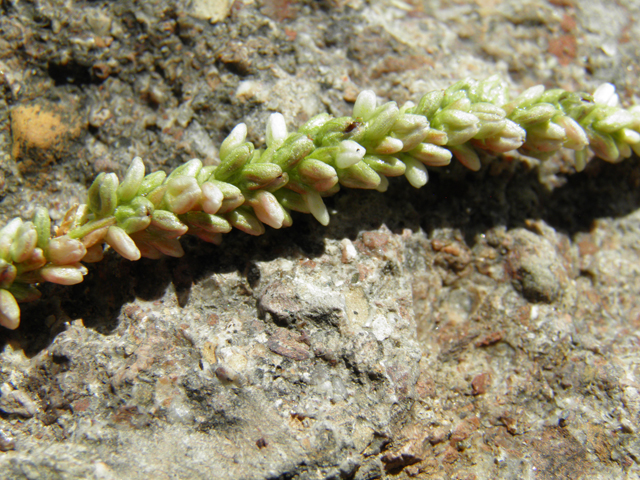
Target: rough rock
<point>485,326</point>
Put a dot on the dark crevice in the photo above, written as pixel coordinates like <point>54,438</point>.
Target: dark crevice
<point>72,73</point>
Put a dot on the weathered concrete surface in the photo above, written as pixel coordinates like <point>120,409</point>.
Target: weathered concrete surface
<point>483,327</point>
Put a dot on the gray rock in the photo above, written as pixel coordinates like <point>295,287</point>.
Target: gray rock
<point>483,327</point>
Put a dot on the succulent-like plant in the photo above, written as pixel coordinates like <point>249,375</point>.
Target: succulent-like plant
<point>144,215</point>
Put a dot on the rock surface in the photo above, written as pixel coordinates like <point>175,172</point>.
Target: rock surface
<point>486,326</point>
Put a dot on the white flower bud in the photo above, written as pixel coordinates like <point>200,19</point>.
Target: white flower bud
<point>383,185</point>
<point>94,237</point>
<point>515,131</point>
<point>34,262</point>
<point>606,95</point>
<point>236,138</point>
<point>188,169</point>
<point>576,137</point>
<point>388,146</point>
<point>267,209</point>
<point>7,235</point>
<point>467,156</point>
<point>182,194</point>
<point>604,146</point>
<point>122,243</point>
<point>416,172</point>
<point>432,155</point>
<point>580,159</point>
<point>406,106</point>
<point>212,198</point>
<point>9,310</point>
<point>350,153</point>
<point>316,207</point>
<point>64,250</point>
<point>629,136</point>
<point>365,105</point>
<point>276,130</point>
<point>24,242</point>
<point>63,275</point>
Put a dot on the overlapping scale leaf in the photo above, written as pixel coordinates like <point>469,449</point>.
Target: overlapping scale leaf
<point>144,215</point>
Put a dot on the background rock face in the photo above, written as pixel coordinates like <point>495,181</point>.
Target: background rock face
<point>483,327</point>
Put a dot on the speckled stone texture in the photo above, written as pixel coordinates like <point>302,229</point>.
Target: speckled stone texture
<point>486,326</point>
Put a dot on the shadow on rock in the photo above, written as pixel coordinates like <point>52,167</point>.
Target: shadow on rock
<point>455,198</point>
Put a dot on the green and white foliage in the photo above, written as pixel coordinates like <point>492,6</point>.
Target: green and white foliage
<point>144,215</point>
